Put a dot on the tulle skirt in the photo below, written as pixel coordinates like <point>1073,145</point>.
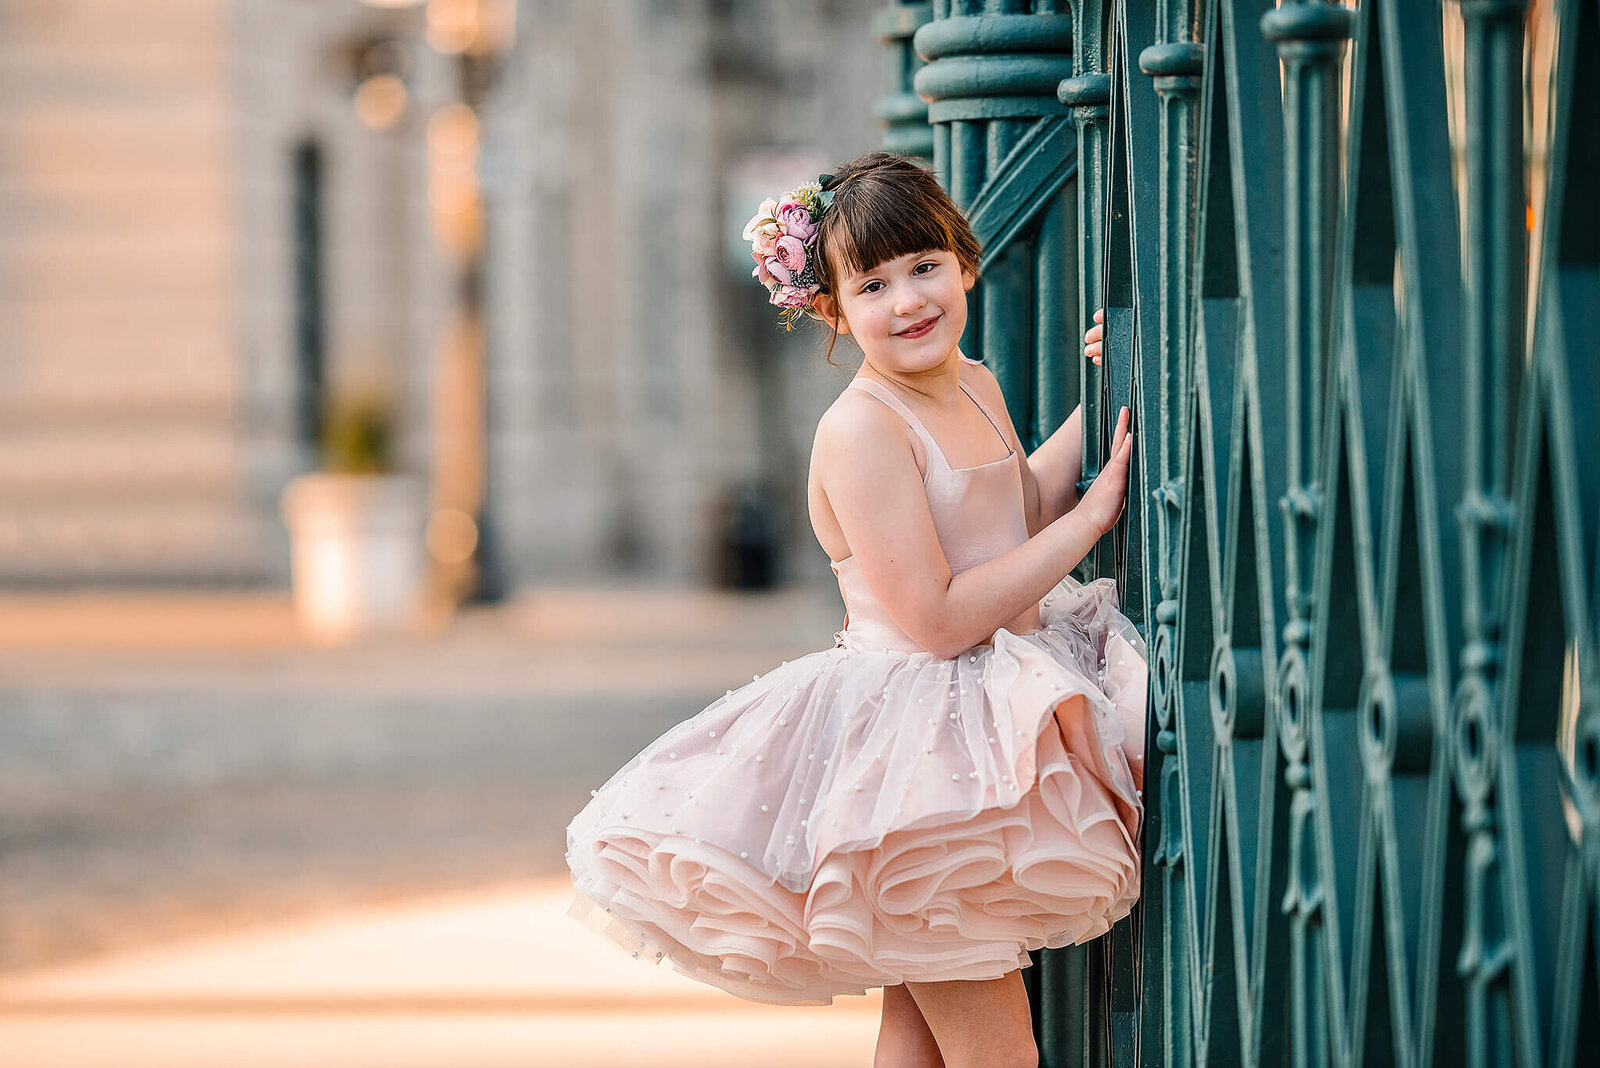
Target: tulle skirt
<point>858,818</point>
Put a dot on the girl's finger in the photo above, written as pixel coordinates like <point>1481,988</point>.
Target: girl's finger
<point>1099,315</point>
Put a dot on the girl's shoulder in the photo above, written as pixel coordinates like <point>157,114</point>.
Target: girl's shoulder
<point>858,424</point>
<point>857,418</point>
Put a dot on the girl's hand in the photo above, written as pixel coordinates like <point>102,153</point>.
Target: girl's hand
<point>1103,501</point>
<point>1092,343</point>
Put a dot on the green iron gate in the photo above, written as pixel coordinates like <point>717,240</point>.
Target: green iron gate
<point>1351,264</point>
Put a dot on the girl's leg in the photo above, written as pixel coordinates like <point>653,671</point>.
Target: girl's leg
<point>1072,717</point>
<point>904,1040</point>
<point>979,1024</point>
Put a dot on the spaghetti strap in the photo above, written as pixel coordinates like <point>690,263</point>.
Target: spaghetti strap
<point>984,408</point>
<point>882,393</point>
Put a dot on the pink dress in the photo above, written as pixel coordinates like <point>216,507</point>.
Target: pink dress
<point>872,813</point>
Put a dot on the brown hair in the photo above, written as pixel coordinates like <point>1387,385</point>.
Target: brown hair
<point>884,207</point>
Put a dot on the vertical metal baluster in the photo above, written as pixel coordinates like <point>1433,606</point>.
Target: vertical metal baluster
<point>1008,301</point>
<point>1089,96</point>
<point>1494,270</point>
<point>1310,38</point>
<point>1058,341</point>
<point>904,115</point>
<point>1175,64</point>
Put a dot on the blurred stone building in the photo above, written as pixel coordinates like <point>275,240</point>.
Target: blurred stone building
<point>222,219</point>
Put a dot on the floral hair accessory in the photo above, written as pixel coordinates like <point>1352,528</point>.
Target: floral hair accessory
<point>783,233</point>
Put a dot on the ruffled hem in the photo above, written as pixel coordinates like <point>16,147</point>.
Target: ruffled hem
<point>807,836</point>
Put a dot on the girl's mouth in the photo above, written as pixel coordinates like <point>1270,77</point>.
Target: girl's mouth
<point>918,330</point>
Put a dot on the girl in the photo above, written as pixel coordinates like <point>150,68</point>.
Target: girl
<point>958,780</point>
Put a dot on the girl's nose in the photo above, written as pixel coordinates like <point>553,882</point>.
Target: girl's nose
<point>908,299</point>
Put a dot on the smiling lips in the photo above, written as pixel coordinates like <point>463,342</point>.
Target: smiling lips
<point>919,329</point>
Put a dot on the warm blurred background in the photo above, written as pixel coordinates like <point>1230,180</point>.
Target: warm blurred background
<point>392,441</point>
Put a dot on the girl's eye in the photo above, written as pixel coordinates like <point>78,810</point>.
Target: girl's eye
<point>868,287</point>
<point>930,264</point>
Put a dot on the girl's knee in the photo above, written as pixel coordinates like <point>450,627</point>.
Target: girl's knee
<point>1016,1054</point>
<point>1024,1056</point>
<point>1015,1051</point>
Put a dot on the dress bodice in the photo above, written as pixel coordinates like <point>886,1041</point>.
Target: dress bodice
<point>978,513</point>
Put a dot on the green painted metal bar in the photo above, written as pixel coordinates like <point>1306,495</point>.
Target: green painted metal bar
<point>1140,157</point>
<point>1088,93</point>
<point>1058,367</point>
<point>1007,293</point>
<point>1310,39</point>
<point>1175,63</point>
<point>1494,268</point>
<point>904,115</point>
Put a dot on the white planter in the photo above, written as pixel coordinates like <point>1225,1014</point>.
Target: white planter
<point>357,557</point>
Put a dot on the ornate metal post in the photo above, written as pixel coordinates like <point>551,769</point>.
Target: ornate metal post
<point>1175,63</point>
<point>1310,38</point>
<point>903,113</point>
<point>1494,273</point>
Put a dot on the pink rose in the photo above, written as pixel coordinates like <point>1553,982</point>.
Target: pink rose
<point>779,269</point>
<point>795,219</point>
<point>792,296</point>
<point>791,253</point>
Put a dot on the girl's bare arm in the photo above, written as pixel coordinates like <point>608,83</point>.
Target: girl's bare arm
<point>1055,465</point>
<point>868,471</point>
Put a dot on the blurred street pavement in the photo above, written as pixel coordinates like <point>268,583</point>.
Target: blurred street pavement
<point>203,818</point>
<point>504,978</point>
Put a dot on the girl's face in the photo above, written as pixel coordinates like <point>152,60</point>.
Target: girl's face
<point>906,314</point>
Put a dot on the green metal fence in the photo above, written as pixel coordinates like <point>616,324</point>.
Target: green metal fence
<point>1350,258</point>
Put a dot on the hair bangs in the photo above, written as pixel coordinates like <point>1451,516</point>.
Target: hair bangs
<point>878,226</point>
